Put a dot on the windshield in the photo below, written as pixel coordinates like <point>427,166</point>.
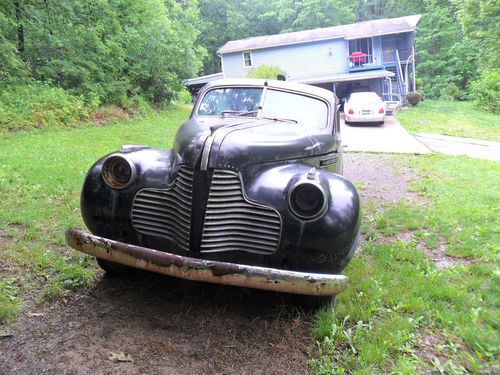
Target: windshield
<point>279,105</point>
<point>230,100</point>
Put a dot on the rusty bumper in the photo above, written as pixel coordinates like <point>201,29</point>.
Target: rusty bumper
<point>205,270</point>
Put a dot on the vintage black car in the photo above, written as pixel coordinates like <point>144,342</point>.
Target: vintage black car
<point>251,194</point>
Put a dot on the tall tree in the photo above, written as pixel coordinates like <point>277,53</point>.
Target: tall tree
<point>446,61</point>
<point>106,49</point>
<point>481,22</point>
<point>373,9</point>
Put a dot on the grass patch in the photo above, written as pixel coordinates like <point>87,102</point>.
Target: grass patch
<point>9,303</point>
<point>402,313</point>
<point>461,119</point>
<point>41,173</point>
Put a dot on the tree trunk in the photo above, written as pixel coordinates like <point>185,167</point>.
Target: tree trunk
<point>20,29</point>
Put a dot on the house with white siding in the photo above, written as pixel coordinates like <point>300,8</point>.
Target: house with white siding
<point>377,55</point>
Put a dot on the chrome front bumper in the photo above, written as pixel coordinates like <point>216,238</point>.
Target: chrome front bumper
<point>206,270</point>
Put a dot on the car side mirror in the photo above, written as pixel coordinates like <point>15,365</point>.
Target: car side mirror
<point>344,100</point>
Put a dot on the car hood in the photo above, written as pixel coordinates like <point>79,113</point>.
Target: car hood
<point>235,143</point>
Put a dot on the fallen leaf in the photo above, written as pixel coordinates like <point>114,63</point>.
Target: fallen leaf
<point>5,334</point>
<point>120,357</point>
<point>35,314</point>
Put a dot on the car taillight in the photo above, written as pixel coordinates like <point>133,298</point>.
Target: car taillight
<point>381,110</point>
<point>351,111</point>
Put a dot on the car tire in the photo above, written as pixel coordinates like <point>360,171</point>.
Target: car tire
<point>112,268</point>
<point>381,123</point>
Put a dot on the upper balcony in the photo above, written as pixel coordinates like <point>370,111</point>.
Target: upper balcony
<point>360,61</point>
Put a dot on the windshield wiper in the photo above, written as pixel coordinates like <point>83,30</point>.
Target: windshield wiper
<point>236,113</point>
<point>280,119</point>
<point>246,113</point>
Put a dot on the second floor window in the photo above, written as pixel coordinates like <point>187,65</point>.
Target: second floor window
<point>361,46</point>
<point>247,59</point>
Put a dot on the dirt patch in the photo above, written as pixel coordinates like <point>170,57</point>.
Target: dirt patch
<point>439,257</point>
<point>166,326</point>
<point>380,178</point>
<point>432,350</point>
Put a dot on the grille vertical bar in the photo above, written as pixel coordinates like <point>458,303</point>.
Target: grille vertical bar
<point>166,213</point>
<point>234,224</point>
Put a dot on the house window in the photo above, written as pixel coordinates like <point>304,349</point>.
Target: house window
<point>247,59</point>
<point>362,47</point>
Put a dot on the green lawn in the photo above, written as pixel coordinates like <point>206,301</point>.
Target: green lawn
<point>461,119</point>
<point>403,314</point>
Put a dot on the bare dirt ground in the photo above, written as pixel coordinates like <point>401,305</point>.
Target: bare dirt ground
<point>152,324</point>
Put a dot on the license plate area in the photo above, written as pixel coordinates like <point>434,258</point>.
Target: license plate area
<point>366,112</point>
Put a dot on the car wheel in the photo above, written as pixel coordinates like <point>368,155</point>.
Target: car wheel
<point>381,123</point>
<point>112,268</point>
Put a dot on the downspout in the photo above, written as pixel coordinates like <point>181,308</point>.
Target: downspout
<point>389,81</point>
<point>414,83</point>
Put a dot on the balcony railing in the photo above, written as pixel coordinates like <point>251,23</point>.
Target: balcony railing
<point>365,61</point>
<point>360,61</point>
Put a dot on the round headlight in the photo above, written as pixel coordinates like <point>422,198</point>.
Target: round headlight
<point>118,172</point>
<point>307,200</point>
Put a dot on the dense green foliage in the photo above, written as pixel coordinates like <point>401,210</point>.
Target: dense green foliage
<point>39,105</point>
<point>486,90</point>
<point>266,71</point>
<point>100,51</point>
<point>456,41</point>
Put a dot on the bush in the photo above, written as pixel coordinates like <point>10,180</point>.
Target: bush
<point>266,72</point>
<point>486,90</point>
<point>36,105</point>
<point>184,97</point>
<point>414,98</point>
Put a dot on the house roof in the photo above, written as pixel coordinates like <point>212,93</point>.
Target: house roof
<point>204,79</point>
<point>352,31</point>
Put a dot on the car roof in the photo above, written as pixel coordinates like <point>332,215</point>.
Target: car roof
<point>271,83</point>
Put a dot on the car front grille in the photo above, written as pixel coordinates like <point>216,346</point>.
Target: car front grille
<point>233,224</point>
<point>166,213</point>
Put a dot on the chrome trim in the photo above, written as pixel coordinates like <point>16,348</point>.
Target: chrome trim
<point>166,213</point>
<point>207,147</point>
<point>234,223</point>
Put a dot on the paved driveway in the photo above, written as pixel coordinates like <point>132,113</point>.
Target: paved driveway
<point>390,137</point>
<point>473,148</point>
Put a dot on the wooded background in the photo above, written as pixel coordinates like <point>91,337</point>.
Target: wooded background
<point>127,51</point>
